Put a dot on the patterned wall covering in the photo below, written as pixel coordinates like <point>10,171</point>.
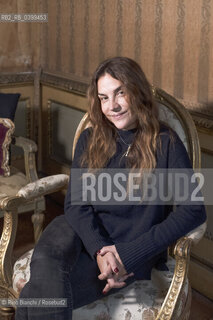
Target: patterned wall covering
<point>19,42</point>
<point>171,39</point>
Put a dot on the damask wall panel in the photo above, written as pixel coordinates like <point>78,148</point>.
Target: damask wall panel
<point>191,49</point>
<point>110,40</point>
<point>180,20</point>
<point>80,40</point>
<point>168,44</point>
<point>170,39</point>
<point>91,36</point>
<point>127,28</point>
<point>204,63</point>
<point>52,36</point>
<point>64,34</point>
<point>147,39</point>
<point>20,42</point>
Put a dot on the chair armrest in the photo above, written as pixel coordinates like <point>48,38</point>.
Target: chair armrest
<point>197,234</point>
<point>26,144</point>
<point>182,255</point>
<point>34,190</point>
<point>43,186</point>
<point>29,148</point>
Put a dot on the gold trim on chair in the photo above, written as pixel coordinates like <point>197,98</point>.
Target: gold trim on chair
<point>5,147</point>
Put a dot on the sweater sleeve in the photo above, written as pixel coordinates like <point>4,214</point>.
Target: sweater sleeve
<point>178,223</point>
<point>82,217</point>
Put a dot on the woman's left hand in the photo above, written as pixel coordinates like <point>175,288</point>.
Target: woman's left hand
<point>118,275</point>
<point>113,250</point>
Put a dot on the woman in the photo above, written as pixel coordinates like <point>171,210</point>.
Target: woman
<point>96,249</point>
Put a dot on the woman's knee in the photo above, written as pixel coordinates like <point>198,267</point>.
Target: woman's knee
<point>58,241</point>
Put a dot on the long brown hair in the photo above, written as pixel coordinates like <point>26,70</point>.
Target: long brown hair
<point>102,141</point>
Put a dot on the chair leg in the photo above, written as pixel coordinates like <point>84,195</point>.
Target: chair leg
<point>7,313</point>
<point>37,220</point>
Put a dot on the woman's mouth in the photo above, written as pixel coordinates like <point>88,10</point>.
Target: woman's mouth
<point>119,115</point>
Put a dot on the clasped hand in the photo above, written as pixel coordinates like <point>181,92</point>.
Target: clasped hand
<point>111,268</point>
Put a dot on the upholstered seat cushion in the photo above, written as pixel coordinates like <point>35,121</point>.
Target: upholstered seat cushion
<point>141,300</point>
<point>12,184</point>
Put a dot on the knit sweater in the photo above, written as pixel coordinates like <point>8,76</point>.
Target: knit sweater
<point>141,233</point>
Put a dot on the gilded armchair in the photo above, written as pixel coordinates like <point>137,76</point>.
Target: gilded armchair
<point>19,193</point>
<point>168,294</point>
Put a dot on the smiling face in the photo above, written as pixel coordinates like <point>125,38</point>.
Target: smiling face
<point>115,103</point>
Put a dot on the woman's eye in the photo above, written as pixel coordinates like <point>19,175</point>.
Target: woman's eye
<point>103,99</point>
<point>120,93</point>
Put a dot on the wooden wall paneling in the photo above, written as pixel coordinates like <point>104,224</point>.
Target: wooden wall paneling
<point>68,100</point>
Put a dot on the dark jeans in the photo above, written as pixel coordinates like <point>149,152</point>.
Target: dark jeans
<point>61,268</point>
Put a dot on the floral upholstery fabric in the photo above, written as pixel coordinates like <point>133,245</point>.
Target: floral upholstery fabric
<point>43,186</point>
<point>21,271</point>
<point>10,185</point>
<point>141,300</point>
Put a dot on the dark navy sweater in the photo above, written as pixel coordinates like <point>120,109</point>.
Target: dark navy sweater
<point>141,233</point>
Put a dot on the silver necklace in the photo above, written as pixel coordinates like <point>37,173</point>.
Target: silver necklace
<point>127,144</point>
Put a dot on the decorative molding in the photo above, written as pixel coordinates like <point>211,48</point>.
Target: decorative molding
<point>16,78</point>
<point>203,121</point>
<point>201,113</point>
<point>73,85</point>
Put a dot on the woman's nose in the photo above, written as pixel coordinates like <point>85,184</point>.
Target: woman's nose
<point>114,105</point>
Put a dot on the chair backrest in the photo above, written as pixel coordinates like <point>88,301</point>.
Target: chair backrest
<point>174,114</point>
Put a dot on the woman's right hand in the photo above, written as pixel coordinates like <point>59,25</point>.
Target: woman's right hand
<point>112,271</point>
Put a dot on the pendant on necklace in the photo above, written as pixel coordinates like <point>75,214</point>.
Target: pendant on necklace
<point>127,152</point>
